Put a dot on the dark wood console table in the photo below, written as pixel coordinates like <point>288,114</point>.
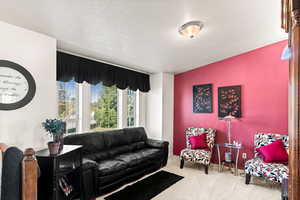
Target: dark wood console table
<point>68,164</point>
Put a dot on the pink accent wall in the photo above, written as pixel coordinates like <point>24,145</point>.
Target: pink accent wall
<point>263,77</point>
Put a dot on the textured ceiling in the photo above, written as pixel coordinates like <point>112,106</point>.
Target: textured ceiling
<point>143,34</point>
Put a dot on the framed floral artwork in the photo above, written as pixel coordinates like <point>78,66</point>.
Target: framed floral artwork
<point>202,98</point>
<point>229,100</point>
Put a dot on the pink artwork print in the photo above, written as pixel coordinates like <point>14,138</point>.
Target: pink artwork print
<point>229,101</point>
<point>202,98</point>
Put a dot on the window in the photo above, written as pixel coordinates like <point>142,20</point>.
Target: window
<point>87,107</point>
<point>104,107</point>
<point>68,104</point>
<point>131,108</point>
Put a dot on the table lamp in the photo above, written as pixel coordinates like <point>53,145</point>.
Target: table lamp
<point>229,118</point>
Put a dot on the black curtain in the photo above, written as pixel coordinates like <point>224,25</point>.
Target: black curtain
<point>70,67</point>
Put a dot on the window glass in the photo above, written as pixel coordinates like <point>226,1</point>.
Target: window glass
<point>131,108</point>
<point>68,104</point>
<point>104,107</point>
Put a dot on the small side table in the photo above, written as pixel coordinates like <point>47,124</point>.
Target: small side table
<point>234,162</point>
<point>67,163</point>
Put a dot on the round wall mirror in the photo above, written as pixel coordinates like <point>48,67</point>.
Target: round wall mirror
<point>17,86</point>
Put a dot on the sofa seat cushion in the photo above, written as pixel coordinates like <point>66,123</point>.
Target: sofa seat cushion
<point>272,171</point>
<point>106,179</point>
<point>131,159</point>
<point>137,157</point>
<point>107,167</point>
<point>151,153</point>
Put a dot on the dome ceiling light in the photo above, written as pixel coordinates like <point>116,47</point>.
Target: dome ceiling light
<point>191,29</point>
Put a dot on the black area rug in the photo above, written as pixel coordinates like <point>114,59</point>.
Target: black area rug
<point>147,188</point>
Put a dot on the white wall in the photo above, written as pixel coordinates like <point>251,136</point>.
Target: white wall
<point>154,107</point>
<point>160,108</point>
<point>37,53</point>
<point>168,109</point>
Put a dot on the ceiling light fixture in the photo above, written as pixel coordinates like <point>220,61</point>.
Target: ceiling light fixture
<point>191,29</point>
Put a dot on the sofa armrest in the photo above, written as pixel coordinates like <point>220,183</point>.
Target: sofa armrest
<point>89,172</point>
<point>164,145</point>
<point>157,143</point>
<point>88,163</point>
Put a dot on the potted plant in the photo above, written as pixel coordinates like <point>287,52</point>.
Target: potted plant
<point>56,128</point>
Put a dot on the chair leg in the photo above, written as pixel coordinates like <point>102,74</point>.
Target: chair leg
<point>284,189</point>
<point>248,179</point>
<point>206,169</point>
<point>181,163</point>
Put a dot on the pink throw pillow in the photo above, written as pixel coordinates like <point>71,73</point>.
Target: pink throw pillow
<point>274,152</point>
<point>199,141</point>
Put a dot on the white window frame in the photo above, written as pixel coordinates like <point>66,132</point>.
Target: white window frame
<point>84,113</point>
<point>135,109</point>
<point>77,104</point>
<point>141,104</point>
<point>122,109</point>
<point>84,107</point>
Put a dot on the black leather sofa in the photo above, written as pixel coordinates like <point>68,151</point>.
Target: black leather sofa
<point>113,158</point>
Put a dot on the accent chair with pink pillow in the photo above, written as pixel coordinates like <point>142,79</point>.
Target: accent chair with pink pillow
<point>270,158</point>
<point>199,145</point>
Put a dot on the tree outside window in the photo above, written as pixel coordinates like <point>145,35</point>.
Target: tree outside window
<point>104,107</point>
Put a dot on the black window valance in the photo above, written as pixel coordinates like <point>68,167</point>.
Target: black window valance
<point>70,67</point>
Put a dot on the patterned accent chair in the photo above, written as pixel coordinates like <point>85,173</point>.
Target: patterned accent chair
<point>198,155</point>
<point>257,167</point>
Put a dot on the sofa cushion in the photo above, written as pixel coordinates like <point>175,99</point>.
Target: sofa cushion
<point>102,155</point>
<point>127,173</point>
<point>137,145</point>
<point>136,134</point>
<point>120,150</point>
<point>115,138</point>
<point>150,153</point>
<point>110,166</point>
<point>92,142</point>
<point>137,157</point>
<point>131,159</point>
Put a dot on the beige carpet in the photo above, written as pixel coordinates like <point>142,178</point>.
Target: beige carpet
<point>214,186</point>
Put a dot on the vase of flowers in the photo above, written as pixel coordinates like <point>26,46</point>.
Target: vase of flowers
<point>56,128</point>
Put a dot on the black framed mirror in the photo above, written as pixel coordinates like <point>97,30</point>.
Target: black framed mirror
<point>17,86</point>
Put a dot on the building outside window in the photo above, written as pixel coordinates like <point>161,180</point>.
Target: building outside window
<point>131,108</point>
<point>68,104</point>
<point>104,107</point>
